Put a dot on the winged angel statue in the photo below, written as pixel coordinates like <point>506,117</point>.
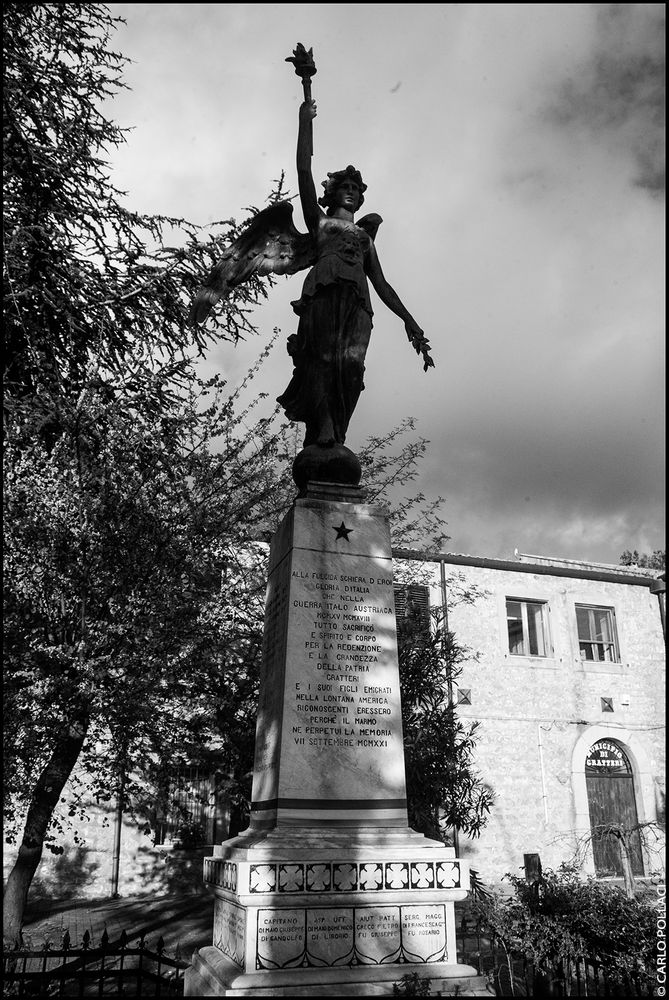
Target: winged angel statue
<point>334,310</point>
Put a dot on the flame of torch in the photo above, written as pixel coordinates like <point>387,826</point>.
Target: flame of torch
<point>305,67</point>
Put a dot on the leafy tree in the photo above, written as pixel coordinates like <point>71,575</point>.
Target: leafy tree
<point>656,560</point>
<point>84,276</point>
<point>444,788</point>
<point>391,464</point>
<point>112,496</point>
<point>117,627</point>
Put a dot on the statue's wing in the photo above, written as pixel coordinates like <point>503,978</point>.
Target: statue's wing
<point>370,223</point>
<point>269,245</point>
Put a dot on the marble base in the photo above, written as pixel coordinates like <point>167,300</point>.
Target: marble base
<point>213,975</point>
<point>324,910</point>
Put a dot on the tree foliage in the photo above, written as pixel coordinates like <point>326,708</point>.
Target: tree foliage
<point>121,614</point>
<point>117,540</point>
<point>84,276</point>
<point>657,559</point>
<point>444,788</point>
<point>117,512</point>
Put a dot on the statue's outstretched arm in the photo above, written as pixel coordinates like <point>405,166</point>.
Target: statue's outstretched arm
<point>305,180</point>
<point>391,299</point>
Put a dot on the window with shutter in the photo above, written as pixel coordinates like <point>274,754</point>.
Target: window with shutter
<point>412,606</point>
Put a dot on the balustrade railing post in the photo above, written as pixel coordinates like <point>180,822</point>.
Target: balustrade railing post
<point>122,943</point>
<point>85,945</point>
<point>159,951</point>
<point>595,969</point>
<point>605,976</point>
<point>65,946</point>
<point>104,942</point>
<point>479,959</point>
<point>139,967</point>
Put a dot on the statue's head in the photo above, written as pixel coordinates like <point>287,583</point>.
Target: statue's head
<point>335,180</point>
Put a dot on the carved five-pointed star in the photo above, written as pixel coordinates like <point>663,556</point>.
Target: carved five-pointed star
<point>342,531</point>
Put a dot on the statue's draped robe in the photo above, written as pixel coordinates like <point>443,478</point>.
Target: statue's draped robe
<point>335,324</point>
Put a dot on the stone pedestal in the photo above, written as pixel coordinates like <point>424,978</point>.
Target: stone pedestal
<point>329,892</point>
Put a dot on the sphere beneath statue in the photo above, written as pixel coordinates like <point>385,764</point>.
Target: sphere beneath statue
<point>334,464</point>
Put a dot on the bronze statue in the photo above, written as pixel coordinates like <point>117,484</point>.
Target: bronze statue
<point>334,310</point>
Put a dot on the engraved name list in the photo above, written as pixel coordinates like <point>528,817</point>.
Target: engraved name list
<point>346,695</point>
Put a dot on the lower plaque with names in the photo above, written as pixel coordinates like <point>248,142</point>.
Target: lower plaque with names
<point>280,939</point>
<point>330,936</point>
<point>348,936</point>
<point>424,933</point>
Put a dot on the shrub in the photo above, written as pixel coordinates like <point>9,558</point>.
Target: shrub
<point>564,917</point>
<point>412,985</point>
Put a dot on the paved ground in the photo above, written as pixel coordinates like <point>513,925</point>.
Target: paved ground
<point>184,921</point>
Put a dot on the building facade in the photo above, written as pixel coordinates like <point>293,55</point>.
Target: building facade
<point>568,688</point>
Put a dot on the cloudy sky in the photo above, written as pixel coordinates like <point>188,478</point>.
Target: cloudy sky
<point>515,154</point>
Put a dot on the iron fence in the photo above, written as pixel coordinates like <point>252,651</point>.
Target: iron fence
<point>512,974</point>
<point>120,968</point>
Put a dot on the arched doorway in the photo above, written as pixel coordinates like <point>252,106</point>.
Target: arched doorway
<point>611,803</point>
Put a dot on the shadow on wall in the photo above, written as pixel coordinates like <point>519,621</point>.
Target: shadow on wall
<point>84,870</point>
<point>164,869</point>
<point>74,874</point>
<point>85,873</point>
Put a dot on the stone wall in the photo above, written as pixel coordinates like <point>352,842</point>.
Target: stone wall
<point>538,714</point>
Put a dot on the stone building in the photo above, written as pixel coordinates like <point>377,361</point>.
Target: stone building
<point>568,689</point>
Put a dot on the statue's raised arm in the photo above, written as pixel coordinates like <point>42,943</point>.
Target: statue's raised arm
<point>334,309</point>
<point>305,181</point>
<point>305,68</point>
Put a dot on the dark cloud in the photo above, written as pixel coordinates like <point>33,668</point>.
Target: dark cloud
<point>579,499</point>
<point>620,92</point>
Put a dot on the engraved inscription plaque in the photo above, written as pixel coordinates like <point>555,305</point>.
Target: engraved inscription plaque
<point>330,934</point>
<point>230,930</point>
<point>424,933</point>
<point>377,934</point>
<point>280,938</point>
